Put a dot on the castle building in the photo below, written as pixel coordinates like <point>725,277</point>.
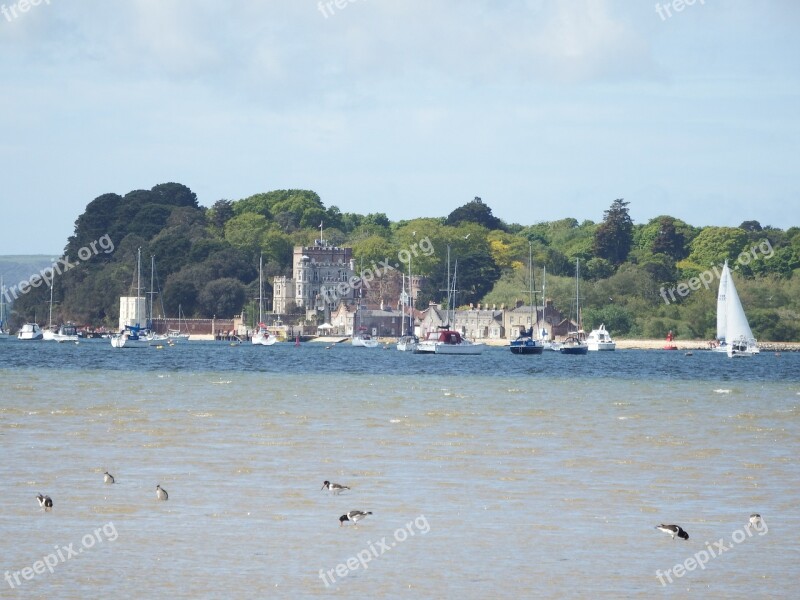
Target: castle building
<point>320,281</point>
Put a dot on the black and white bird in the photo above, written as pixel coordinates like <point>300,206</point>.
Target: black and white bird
<point>334,488</point>
<point>354,516</point>
<point>673,530</point>
<point>755,520</point>
<point>161,493</point>
<point>108,477</point>
<point>44,502</point>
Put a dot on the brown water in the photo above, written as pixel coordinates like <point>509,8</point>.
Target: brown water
<point>505,487</point>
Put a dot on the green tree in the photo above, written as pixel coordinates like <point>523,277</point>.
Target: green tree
<point>477,212</point>
<point>715,245</point>
<point>613,238</point>
<point>223,297</point>
<point>245,232</point>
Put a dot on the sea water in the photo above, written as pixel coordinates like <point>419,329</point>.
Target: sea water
<point>493,476</point>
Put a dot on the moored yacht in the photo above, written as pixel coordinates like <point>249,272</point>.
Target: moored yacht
<point>362,339</point>
<point>525,342</point>
<point>30,332</point>
<point>600,340</point>
<point>262,336</point>
<point>447,341</point>
<point>575,343</point>
<point>67,332</point>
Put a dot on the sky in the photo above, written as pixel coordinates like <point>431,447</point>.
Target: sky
<point>544,109</point>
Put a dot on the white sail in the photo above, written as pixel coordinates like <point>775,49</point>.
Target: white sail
<point>738,335</point>
<point>722,309</point>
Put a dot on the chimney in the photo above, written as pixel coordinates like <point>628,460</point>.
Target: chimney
<point>519,303</point>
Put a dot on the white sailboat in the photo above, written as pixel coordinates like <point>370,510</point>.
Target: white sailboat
<point>575,343</point>
<point>262,336</point>
<point>361,337</point>
<point>547,342</point>
<point>48,335</point>
<point>4,332</point>
<point>525,342</point>
<point>407,341</point>
<point>445,340</point>
<point>66,332</point>
<point>133,336</point>
<point>733,331</point>
<point>178,334</point>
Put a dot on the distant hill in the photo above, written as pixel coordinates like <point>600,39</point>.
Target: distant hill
<point>18,268</point>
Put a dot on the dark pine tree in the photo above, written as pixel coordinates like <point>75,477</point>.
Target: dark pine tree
<point>613,238</point>
<point>475,211</point>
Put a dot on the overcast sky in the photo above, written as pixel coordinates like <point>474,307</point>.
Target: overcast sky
<point>545,109</point>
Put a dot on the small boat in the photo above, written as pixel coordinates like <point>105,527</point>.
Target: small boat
<point>178,334</point>
<point>49,334</point>
<point>525,343</point>
<point>575,343</point>
<point>67,332</point>
<point>362,339</point>
<point>132,336</point>
<point>446,340</point>
<point>407,342</point>
<point>262,336</point>
<point>30,332</point>
<point>4,332</point>
<point>599,340</point>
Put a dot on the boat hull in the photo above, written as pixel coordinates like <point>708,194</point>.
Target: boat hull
<point>575,350</point>
<point>122,341</point>
<point>602,346</point>
<point>360,342</point>
<point>30,332</point>
<point>261,339</point>
<point>407,344</point>
<point>528,346</point>
<point>454,349</point>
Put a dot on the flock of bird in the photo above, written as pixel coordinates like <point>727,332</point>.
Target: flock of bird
<point>678,531</point>
<point>354,516</point>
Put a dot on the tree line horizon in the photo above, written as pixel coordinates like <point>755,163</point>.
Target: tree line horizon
<point>207,261</point>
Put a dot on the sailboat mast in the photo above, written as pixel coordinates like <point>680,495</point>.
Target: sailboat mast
<point>138,285</point>
<point>578,294</point>
<point>403,307</point>
<point>410,300</point>
<point>530,282</point>
<point>50,317</point>
<point>152,289</point>
<point>260,290</point>
<point>544,297</point>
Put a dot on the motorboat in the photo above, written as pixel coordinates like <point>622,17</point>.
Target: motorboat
<point>30,332</point>
<point>599,340</point>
